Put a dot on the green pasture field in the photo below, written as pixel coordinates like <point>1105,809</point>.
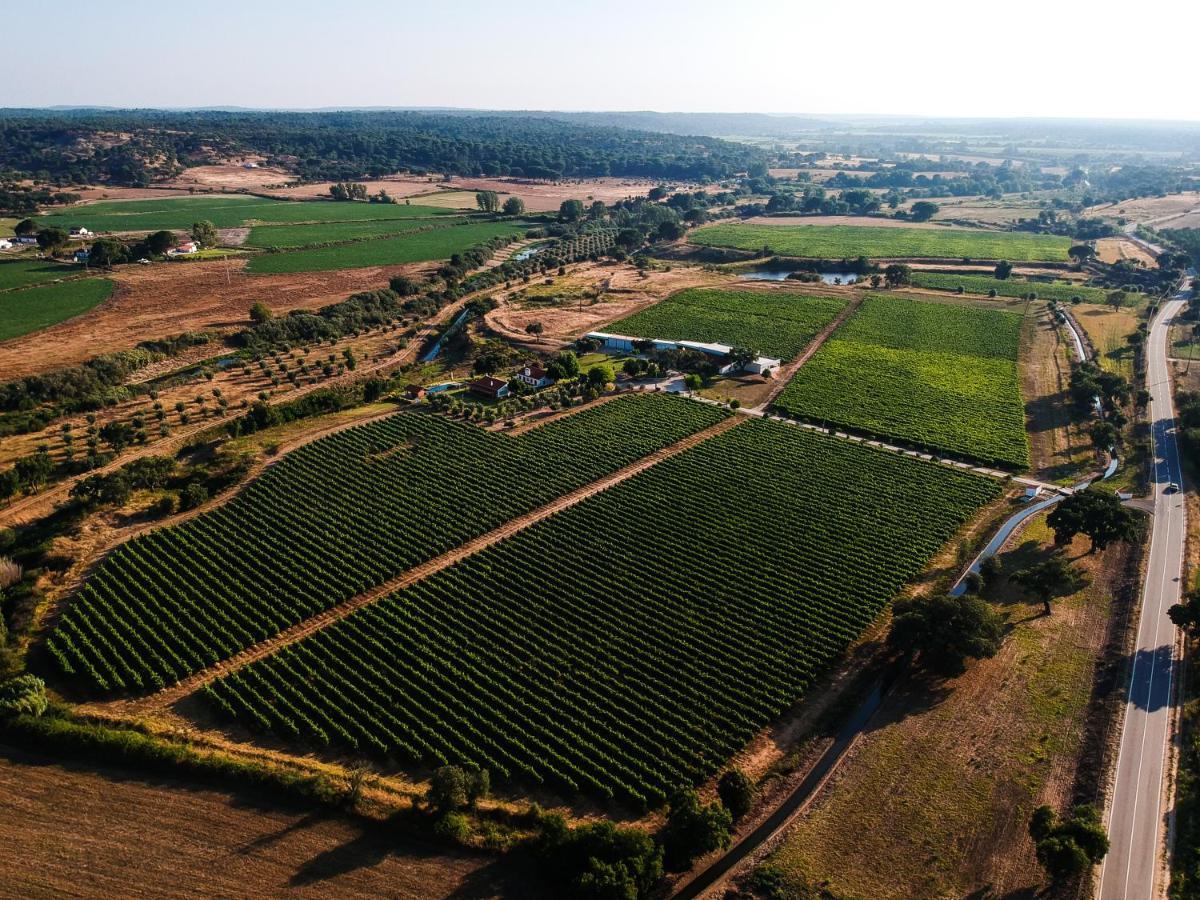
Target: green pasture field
<point>224,212</point>
<point>879,242</point>
<point>1008,287</point>
<point>436,243</point>
<point>41,306</point>
<point>263,236</point>
<point>23,272</point>
<point>772,322</point>
<point>934,375</point>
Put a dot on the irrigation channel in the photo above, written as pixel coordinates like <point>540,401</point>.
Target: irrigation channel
<point>795,802</point>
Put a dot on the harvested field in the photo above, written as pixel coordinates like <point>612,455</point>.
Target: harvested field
<point>74,831</point>
<point>1108,330</point>
<point>156,301</point>
<point>1159,211</point>
<point>231,176</point>
<point>1112,249</point>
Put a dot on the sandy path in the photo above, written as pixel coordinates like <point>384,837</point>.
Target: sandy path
<point>163,698</point>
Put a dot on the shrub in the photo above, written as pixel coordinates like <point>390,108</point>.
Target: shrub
<point>736,792</point>
<point>452,827</point>
<point>23,695</point>
<point>693,830</point>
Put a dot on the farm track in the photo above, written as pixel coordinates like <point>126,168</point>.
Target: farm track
<point>322,620</point>
<point>786,374</point>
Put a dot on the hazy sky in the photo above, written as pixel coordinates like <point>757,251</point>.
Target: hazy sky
<point>963,58</point>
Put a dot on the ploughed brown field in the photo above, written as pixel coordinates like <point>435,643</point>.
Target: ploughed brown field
<point>77,832</point>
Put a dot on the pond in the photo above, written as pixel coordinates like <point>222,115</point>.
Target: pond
<point>782,275</point>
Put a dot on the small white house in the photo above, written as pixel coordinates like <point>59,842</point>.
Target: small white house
<point>534,376</point>
<point>81,232</point>
<point>762,365</point>
<point>5,244</point>
<point>184,249</point>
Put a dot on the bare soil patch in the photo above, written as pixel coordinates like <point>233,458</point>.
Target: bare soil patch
<point>73,831</point>
<point>1059,448</point>
<point>231,176</point>
<point>170,298</point>
<point>1113,249</point>
<point>1150,210</point>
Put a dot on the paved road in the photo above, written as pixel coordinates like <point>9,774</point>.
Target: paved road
<point>1133,868</point>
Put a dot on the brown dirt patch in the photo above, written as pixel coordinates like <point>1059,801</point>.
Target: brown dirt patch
<point>170,298</point>
<point>74,831</point>
<point>1113,249</point>
<point>231,176</point>
<point>1150,210</point>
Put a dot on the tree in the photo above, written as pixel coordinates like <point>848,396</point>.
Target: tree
<point>107,252</point>
<point>598,861</point>
<point>741,357</point>
<point>897,274</point>
<point>159,242</point>
<point>669,230</point>
<point>514,206</point>
<point>1116,299</point>
<point>260,313</point>
<point>943,632</point>
<point>1066,849</point>
<point>1186,614</point>
<point>204,233</point>
<point>693,829</point>
<point>488,201</point>
<point>693,382</point>
<point>25,228</point>
<point>600,375</point>
<point>922,211</point>
<point>736,792</point>
<point>116,434</point>
<point>1104,434</point>
<point>535,329</point>
<point>570,210</point>
<point>1003,269</point>
<point>1081,253</point>
<point>51,240</point>
<point>1049,579</point>
<point>1097,514</point>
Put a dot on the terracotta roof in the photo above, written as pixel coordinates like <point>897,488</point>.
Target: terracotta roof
<point>488,383</point>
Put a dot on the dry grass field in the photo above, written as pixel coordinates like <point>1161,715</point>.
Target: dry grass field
<point>1159,211</point>
<point>156,301</point>
<point>1112,249</point>
<point>933,801</point>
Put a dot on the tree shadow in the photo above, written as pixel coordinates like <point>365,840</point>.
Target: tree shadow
<point>362,851</point>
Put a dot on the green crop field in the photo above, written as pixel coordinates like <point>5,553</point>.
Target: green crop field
<point>436,243</point>
<point>264,236</point>
<point>224,212</point>
<point>333,519</point>
<point>635,641</point>
<point>1007,287</point>
<point>32,308</point>
<point>775,323</point>
<point>23,272</point>
<point>934,375</point>
<point>880,242</point>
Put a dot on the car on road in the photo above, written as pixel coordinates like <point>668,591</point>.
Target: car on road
<point>1172,488</point>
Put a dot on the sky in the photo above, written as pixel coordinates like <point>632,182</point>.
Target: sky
<point>919,57</point>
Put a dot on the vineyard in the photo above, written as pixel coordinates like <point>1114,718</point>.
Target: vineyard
<point>878,242</point>
<point>289,236</point>
<point>1007,287</point>
<point>225,212</point>
<point>330,520</point>
<point>634,642</point>
<point>935,375</point>
<point>417,246</point>
<point>771,322</point>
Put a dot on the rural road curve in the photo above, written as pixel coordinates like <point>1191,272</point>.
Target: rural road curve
<point>1136,825</point>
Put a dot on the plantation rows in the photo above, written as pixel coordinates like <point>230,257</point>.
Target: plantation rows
<point>1007,287</point>
<point>333,519</point>
<point>771,322</point>
<point>939,376</point>
<point>633,642</point>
